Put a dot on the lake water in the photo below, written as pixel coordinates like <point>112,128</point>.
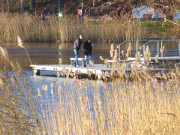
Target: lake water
<point>54,53</point>
<point>51,53</point>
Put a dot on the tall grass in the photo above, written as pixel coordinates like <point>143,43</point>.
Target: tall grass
<point>136,103</point>
<point>66,29</point>
<point>18,112</point>
<point>144,106</point>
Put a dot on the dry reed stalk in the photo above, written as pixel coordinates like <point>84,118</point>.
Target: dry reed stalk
<point>75,74</point>
<point>39,92</point>
<point>147,55</point>
<point>112,51</point>
<point>115,55</point>
<point>4,53</point>
<point>45,87</point>
<point>128,51</point>
<point>156,58</point>
<point>122,52</point>
<point>17,100</point>
<point>162,52</point>
<point>32,28</point>
<point>20,44</point>
<point>58,74</point>
<point>101,57</point>
<point>92,63</point>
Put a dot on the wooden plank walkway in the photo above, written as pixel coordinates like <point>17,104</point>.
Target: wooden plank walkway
<point>98,69</point>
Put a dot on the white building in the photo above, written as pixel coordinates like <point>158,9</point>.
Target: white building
<point>176,15</point>
<point>142,11</point>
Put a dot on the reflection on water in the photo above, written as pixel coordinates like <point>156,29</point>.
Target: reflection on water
<point>51,53</point>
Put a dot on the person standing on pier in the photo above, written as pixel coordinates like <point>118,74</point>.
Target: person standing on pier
<point>87,52</point>
<point>77,47</point>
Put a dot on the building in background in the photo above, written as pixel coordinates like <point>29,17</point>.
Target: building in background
<point>147,13</point>
<point>176,15</point>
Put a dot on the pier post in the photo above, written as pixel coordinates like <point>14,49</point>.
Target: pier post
<point>158,48</point>
<point>36,72</point>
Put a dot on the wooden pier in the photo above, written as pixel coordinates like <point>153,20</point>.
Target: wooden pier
<point>99,69</point>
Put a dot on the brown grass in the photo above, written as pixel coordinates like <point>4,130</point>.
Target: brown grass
<point>135,103</point>
<point>145,104</point>
<point>18,112</point>
<point>66,29</point>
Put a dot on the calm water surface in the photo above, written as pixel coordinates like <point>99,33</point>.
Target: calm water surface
<point>51,53</point>
<point>54,53</point>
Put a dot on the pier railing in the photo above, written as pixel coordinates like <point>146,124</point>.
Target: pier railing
<point>140,45</point>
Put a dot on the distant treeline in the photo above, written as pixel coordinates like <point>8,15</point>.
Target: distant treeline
<point>71,6</point>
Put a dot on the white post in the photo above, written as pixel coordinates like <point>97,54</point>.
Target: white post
<point>158,48</point>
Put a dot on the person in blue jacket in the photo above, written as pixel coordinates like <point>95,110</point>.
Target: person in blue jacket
<point>77,47</point>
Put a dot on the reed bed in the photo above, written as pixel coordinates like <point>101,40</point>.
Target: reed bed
<point>18,112</point>
<point>144,106</point>
<point>135,103</point>
<point>138,103</point>
<point>67,29</point>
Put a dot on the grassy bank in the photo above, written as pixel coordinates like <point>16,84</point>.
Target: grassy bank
<point>67,29</point>
<point>161,29</point>
<point>146,104</point>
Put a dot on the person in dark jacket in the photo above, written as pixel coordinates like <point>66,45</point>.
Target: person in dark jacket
<point>87,52</point>
<point>77,47</point>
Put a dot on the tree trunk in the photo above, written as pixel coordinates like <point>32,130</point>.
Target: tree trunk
<point>22,6</point>
<point>32,4</point>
